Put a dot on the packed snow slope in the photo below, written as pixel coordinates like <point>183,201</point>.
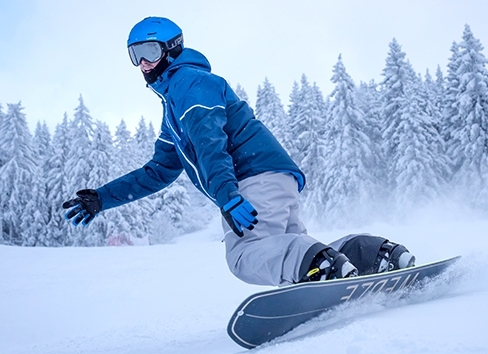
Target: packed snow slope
<point>177,298</point>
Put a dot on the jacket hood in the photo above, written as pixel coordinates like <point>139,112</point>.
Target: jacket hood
<point>189,58</point>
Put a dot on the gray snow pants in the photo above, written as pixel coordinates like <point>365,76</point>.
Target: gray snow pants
<point>278,250</point>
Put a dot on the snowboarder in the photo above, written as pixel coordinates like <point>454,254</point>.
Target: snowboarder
<point>235,161</point>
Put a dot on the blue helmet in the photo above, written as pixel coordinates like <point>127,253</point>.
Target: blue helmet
<point>158,29</point>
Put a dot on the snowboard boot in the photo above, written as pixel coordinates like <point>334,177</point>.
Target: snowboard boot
<point>393,256</point>
<point>330,264</point>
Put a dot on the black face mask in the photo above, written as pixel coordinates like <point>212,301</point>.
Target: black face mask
<point>153,75</point>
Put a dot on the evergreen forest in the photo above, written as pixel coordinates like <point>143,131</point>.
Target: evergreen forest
<point>371,151</point>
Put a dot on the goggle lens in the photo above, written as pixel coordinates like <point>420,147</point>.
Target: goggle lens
<point>150,51</point>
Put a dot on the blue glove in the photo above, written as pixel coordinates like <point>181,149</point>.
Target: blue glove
<point>238,213</point>
<point>84,208</point>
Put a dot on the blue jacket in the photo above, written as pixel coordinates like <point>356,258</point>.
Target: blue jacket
<point>207,131</point>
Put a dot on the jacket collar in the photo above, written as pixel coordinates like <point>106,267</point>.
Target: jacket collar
<point>188,58</point>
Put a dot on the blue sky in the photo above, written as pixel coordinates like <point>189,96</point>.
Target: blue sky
<point>55,50</point>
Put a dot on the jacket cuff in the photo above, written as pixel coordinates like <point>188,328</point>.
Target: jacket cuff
<point>226,193</point>
<point>104,198</point>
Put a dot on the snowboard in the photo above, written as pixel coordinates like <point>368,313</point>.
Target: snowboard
<point>267,315</point>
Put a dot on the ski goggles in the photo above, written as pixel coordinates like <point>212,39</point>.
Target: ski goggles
<point>149,51</point>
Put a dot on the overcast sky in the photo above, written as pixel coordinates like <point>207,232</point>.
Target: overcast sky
<point>54,50</point>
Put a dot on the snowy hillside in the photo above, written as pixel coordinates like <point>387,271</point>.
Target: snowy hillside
<point>177,298</point>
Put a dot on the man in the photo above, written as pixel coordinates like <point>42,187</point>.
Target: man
<point>234,160</point>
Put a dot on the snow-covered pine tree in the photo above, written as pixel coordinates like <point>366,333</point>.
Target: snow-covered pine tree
<point>241,93</point>
<point>15,138</point>
<point>126,158</point>
<point>78,164</point>
<point>293,106</point>
<point>430,100</point>
<point>135,214</point>
<point>348,180</point>
<point>419,164</point>
<point>34,222</point>
<point>81,130</point>
<point>430,97</point>
<point>144,140</point>
<point>42,140</point>
<point>143,145</point>
<point>42,144</point>
<point>415,154</point>
<point>293,111</point>
<point>398,75</point>
<point>322,107</point>
<point>120,220</point>
<point>451,121</point>
<point>101,159</point>
<point>270,111</point>
<point>17,174</point>
<point>315,157</point>
<point>151,134</point>
<point>37,211</point>
<point>369,101</point>
<point>305,116</point>
<point>56,182</point>
<point>469,134</point>
<point>439,88</point>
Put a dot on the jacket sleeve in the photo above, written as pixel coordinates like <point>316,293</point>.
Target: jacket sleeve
<point>155,175</point>
<point>202,114</point>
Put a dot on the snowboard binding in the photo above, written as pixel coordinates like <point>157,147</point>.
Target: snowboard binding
<point>393,256</point>
<point>330,264</point>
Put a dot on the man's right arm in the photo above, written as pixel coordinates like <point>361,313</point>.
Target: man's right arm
<point>155,175</point>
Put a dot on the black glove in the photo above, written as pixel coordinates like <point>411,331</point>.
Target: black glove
<point>84,208</point>
<point>238,213</point>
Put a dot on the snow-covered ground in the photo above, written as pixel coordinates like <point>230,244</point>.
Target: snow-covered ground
<point>177,298</point>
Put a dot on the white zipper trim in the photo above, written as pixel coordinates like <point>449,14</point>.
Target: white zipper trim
<point>166,141</point>
<point>176,145</point>
<point>196,173</point>
<point>200,106</point>
<point>165,111</point>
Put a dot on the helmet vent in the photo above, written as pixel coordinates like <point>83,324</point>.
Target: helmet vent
<point>152,33</point>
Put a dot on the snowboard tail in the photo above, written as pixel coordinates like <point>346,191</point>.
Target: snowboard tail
<point>270,314</point>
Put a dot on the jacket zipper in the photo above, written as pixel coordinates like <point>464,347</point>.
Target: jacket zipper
<point>167,122</point>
